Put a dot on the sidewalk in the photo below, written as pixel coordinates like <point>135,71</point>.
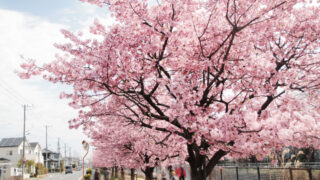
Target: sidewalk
<point>126,177</point>
<point>44,176</point>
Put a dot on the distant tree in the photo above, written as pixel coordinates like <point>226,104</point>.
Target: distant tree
<point>127,151</point>
<point>28,165</point>
<point>61,165</point>
<point>40,169</point>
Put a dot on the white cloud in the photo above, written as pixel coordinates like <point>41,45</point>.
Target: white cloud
<point>81,16</point>
<point>32,36</point>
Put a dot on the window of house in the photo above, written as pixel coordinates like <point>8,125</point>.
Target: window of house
<point>10,153</point>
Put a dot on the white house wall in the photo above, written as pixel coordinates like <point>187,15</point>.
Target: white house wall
<point>16,153</point>
<point>14,158</point>
<point>37,155</point>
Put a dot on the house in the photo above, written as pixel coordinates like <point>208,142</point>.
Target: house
<point>4,168</point>
<point>72,161</point>
<point>11,150</point>
<point>37,153</point>
<point>52,162</point>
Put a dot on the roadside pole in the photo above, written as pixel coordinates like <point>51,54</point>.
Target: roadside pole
<point>24,139</point>
<point>85,145</point>
<point>46,163</point>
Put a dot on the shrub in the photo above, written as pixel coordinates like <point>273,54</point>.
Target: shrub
<point>62,166</point>
<point>87,176</point>
<point>41,169</point>
<point>89,171</point>
<point>28,165</point>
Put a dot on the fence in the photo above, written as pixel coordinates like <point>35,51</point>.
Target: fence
<point>300,164</point>
<point>265,173</point>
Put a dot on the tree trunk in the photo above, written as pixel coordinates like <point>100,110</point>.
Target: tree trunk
<point>148,172</point>
<point>132,173</point>
<point>211,175</point>
<point>200,168</point>
<point>122,174</point>
<point>116,172</point>
<point>197,173</point>
<point>112,172</point>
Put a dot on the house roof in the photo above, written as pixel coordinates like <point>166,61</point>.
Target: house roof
<point>72,159</point>
<point>34,144</point>
<point>11,142</point>
<point>47,150</point>
<point>57,155</point>
<point>4,159</point>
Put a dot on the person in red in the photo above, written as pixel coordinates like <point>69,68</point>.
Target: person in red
<point>181,173</point>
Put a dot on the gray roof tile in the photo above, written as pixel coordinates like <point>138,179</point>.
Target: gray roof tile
<point>11,142</point>
<point>33,144</point>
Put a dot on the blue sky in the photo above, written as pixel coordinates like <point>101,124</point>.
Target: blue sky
<point>69,12</point>
<point>30,28</point>
<point>44,8</point>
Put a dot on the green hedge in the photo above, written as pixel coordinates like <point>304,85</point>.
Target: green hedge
<point>89,171</point>
<point>87,176</point>
<point>41,169</point>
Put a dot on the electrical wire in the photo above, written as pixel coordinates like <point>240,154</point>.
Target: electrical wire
<point>11,99</point>
<point>12,91</point>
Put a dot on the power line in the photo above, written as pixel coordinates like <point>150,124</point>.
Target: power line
<point>11,97</point>
<point>11,93</point>
<point>17,94</point>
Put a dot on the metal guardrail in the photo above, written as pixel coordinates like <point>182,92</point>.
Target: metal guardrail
<point>265,173</point>
<point>269,165</point>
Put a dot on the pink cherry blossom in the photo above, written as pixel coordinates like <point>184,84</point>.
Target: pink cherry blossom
<point>193,80</point>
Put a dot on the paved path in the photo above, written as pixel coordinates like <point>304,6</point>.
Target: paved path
<point>76,175</point>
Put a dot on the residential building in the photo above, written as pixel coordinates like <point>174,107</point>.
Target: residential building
<point>37,152</point>
<point>11,150</point>
<point>52,163</point>
<point>5,167</point>
<point>72,161</point>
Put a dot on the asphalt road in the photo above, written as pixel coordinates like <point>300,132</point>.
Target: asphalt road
<point>76,175</point>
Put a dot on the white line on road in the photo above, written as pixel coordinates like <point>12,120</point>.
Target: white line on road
<point>79,178</point>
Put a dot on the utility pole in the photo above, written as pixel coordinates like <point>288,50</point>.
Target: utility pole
<point>70,156</point>
<point>24,139</point>
<point>47,146</point>
<point>59,155</point>
<point>65,154</point>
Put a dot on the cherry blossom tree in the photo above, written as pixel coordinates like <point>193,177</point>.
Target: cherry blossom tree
<point>132,147</point>
<point>228,77</point>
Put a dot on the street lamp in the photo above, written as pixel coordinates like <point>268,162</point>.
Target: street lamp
<point>85,146</point>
